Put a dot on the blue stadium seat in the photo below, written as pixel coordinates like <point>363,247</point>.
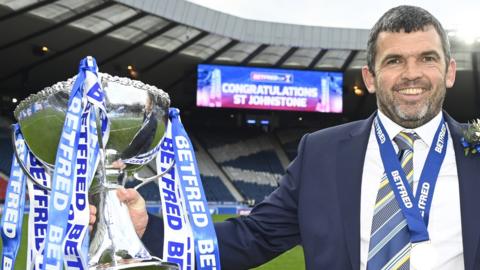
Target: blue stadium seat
<point>149,192</point>
<point>215,190</point>
<point>217,137</point>
<point>6,151</point>
<point>253,191</point>
<point>264,161</point>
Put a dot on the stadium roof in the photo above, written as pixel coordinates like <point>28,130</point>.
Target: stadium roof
<point>161,42</point>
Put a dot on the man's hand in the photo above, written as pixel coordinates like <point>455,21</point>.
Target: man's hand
<point>136,208</point>
<point>93,217</point>
<point>118,164</point>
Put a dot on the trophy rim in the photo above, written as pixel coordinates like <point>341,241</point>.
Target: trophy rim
<point>66,86</point>
<point>135,264</point>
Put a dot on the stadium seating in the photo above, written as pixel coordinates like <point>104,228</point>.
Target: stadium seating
<point>214,187</point>
<point>6,151</point>
<point>215,190</point>
<point>248,158</point>
<point>255,192</point>
<point>3,187</point>
<point>263,161</point>
<point>149,191</point>
<point>289,138</point>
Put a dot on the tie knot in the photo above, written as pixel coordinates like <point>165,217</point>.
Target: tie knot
<point>405,140</point>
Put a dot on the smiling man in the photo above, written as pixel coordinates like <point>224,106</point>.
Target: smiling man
<point>409,69</point>
<point>394,191</point>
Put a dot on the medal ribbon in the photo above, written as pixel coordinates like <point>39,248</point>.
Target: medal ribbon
<point>415,209</point>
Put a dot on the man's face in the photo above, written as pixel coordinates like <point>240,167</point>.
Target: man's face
<point>410,76</point>
<point>148,105</point>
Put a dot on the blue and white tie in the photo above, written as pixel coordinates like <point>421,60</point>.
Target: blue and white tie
<point>390,238</point>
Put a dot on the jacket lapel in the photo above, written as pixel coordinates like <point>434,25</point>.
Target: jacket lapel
<point>468,168</point>
<point>349,168</point>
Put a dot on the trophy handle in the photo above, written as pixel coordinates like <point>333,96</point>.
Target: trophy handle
<point>152,178</point>
<point>24,168</point>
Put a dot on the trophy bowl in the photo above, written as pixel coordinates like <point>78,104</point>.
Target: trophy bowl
<point>138,117</point>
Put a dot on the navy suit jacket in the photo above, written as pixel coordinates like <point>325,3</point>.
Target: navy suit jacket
<point>317,205</point>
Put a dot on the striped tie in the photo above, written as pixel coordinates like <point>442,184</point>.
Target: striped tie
<point>390,238</point>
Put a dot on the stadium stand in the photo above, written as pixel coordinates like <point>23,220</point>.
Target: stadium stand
<point>6,151</point>
<point>262,161</point>
<point>289,139</point>
<point>3,187</point>
<point>256,192</point>
<point>248,157</point>
<point>215,190</point>
<point>215,183</point>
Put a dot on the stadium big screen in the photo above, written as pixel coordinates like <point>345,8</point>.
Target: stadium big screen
<point>269,89</point>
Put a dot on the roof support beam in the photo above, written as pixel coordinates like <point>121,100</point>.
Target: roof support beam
<point>26,69</point>
<point>253,54</point>
<point>221,51</point>
<point>138,43</point>
<point>25,10</point>
<point>172,53</point>
<point>207,61</point>
<point>56,25</point>
<point>285,56</point>
<point>348,60</point>
<point>317,58</point>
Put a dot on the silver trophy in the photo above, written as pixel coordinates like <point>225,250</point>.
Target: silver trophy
<point>138,117</point>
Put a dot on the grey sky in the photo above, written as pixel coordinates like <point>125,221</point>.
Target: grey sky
<point>460,15</point>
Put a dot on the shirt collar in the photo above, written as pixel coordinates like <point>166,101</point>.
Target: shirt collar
<point>426,132</point>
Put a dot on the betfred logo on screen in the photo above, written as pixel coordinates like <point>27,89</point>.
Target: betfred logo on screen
<point>271,77</point>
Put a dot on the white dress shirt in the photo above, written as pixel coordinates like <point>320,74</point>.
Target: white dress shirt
<point>445,225</point>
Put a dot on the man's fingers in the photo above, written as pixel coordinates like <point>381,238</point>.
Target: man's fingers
<point>126,195</point>
<point>136,208</point>
<point>93,217</point>
<point>93,210</point>
<point>131,197</point>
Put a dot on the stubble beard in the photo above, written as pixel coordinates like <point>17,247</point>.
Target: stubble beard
<point>426,112</point>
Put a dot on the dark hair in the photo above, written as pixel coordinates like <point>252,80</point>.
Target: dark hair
<point>408,19</point>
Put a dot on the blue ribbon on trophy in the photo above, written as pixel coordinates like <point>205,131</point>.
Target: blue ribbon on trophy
<point>68,210</point>
<point>58,220</point>
<point>38,215</point>
<point>178,238</point>
<point>144,158</point>
<point>76,245</point>
<point>83,136</point>
<point>12,218</point>
<point>186,168</point>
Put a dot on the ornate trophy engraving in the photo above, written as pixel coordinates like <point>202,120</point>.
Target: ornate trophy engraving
<point>137,114</point>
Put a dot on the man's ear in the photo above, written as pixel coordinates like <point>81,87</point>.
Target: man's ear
<point>451,72</point>
<point>368,79</point>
